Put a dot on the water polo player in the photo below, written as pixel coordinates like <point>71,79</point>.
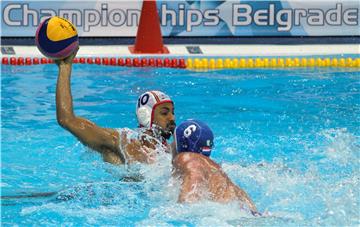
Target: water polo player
<point>155,114</point>
<point>201,177</point>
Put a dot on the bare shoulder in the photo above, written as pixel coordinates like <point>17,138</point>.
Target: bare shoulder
<point>188,160</point>
<point>186,157</point>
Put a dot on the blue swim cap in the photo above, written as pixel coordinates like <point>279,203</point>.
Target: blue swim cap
<point>194,136</point>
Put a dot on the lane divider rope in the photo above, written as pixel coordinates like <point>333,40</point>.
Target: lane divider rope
<point>128,62</point>
<point>237,63</point>
<point>200,63</point>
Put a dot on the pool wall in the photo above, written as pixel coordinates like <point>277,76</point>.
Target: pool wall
<point>203,56</point>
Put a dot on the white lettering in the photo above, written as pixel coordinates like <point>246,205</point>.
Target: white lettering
<point>351,19</point>
<point>15,15</point>
<point>181,14</point>
<point>261,17</point>
<point>92,18</point>
<point>333,16</point>
<point>246,18</point>
<point>298,14</point>
<point>212,17</point>
<point>165,12</point>
<point>283,18</point>
<point>7,13</point>
<point>133,17</point>
<point>27,13</point>
<point>317,17</point>
<point>194,18</point>
<point>271,14</point>
<point>117,17</point>
<point>104,14</point>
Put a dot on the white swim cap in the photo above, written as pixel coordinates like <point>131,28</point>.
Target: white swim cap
<point>146,105</point>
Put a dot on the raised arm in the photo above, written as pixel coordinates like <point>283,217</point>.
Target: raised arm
<point>105,141</point>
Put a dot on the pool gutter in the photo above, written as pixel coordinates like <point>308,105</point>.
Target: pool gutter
<point>203,50</point>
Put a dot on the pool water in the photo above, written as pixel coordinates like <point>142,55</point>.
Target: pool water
<point>289,138</point>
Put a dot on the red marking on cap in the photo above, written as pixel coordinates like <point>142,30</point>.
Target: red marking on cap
<point>206,148</point>
<point>153,108</point>
<point>156,97</point>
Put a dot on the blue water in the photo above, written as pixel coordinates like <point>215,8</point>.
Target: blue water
<point>289,138</point>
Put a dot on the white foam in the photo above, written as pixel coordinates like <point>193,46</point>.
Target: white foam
<point>287,193</point>
<point>342,147</point>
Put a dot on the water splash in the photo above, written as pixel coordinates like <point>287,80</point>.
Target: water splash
<point>342,147</point>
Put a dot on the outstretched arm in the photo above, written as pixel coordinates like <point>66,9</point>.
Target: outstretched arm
<point>103,140</point>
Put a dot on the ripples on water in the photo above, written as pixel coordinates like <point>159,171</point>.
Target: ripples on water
<point>294,149</point>
<point>326,192</point>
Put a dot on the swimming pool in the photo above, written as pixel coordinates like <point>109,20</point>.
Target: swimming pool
<point>290,138</point>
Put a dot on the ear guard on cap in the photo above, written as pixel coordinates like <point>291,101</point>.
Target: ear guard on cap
<point>144,116</point>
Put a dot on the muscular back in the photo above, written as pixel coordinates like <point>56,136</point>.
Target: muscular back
<point>202,178</point>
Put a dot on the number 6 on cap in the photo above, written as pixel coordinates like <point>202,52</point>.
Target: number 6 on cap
<point>189,130</point>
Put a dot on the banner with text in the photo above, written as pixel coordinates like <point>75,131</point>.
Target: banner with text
<point>189,18</point>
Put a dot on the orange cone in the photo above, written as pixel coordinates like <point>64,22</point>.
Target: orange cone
<point>148,37</point>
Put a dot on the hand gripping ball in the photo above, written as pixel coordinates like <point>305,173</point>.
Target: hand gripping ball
<point>56,38</point>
